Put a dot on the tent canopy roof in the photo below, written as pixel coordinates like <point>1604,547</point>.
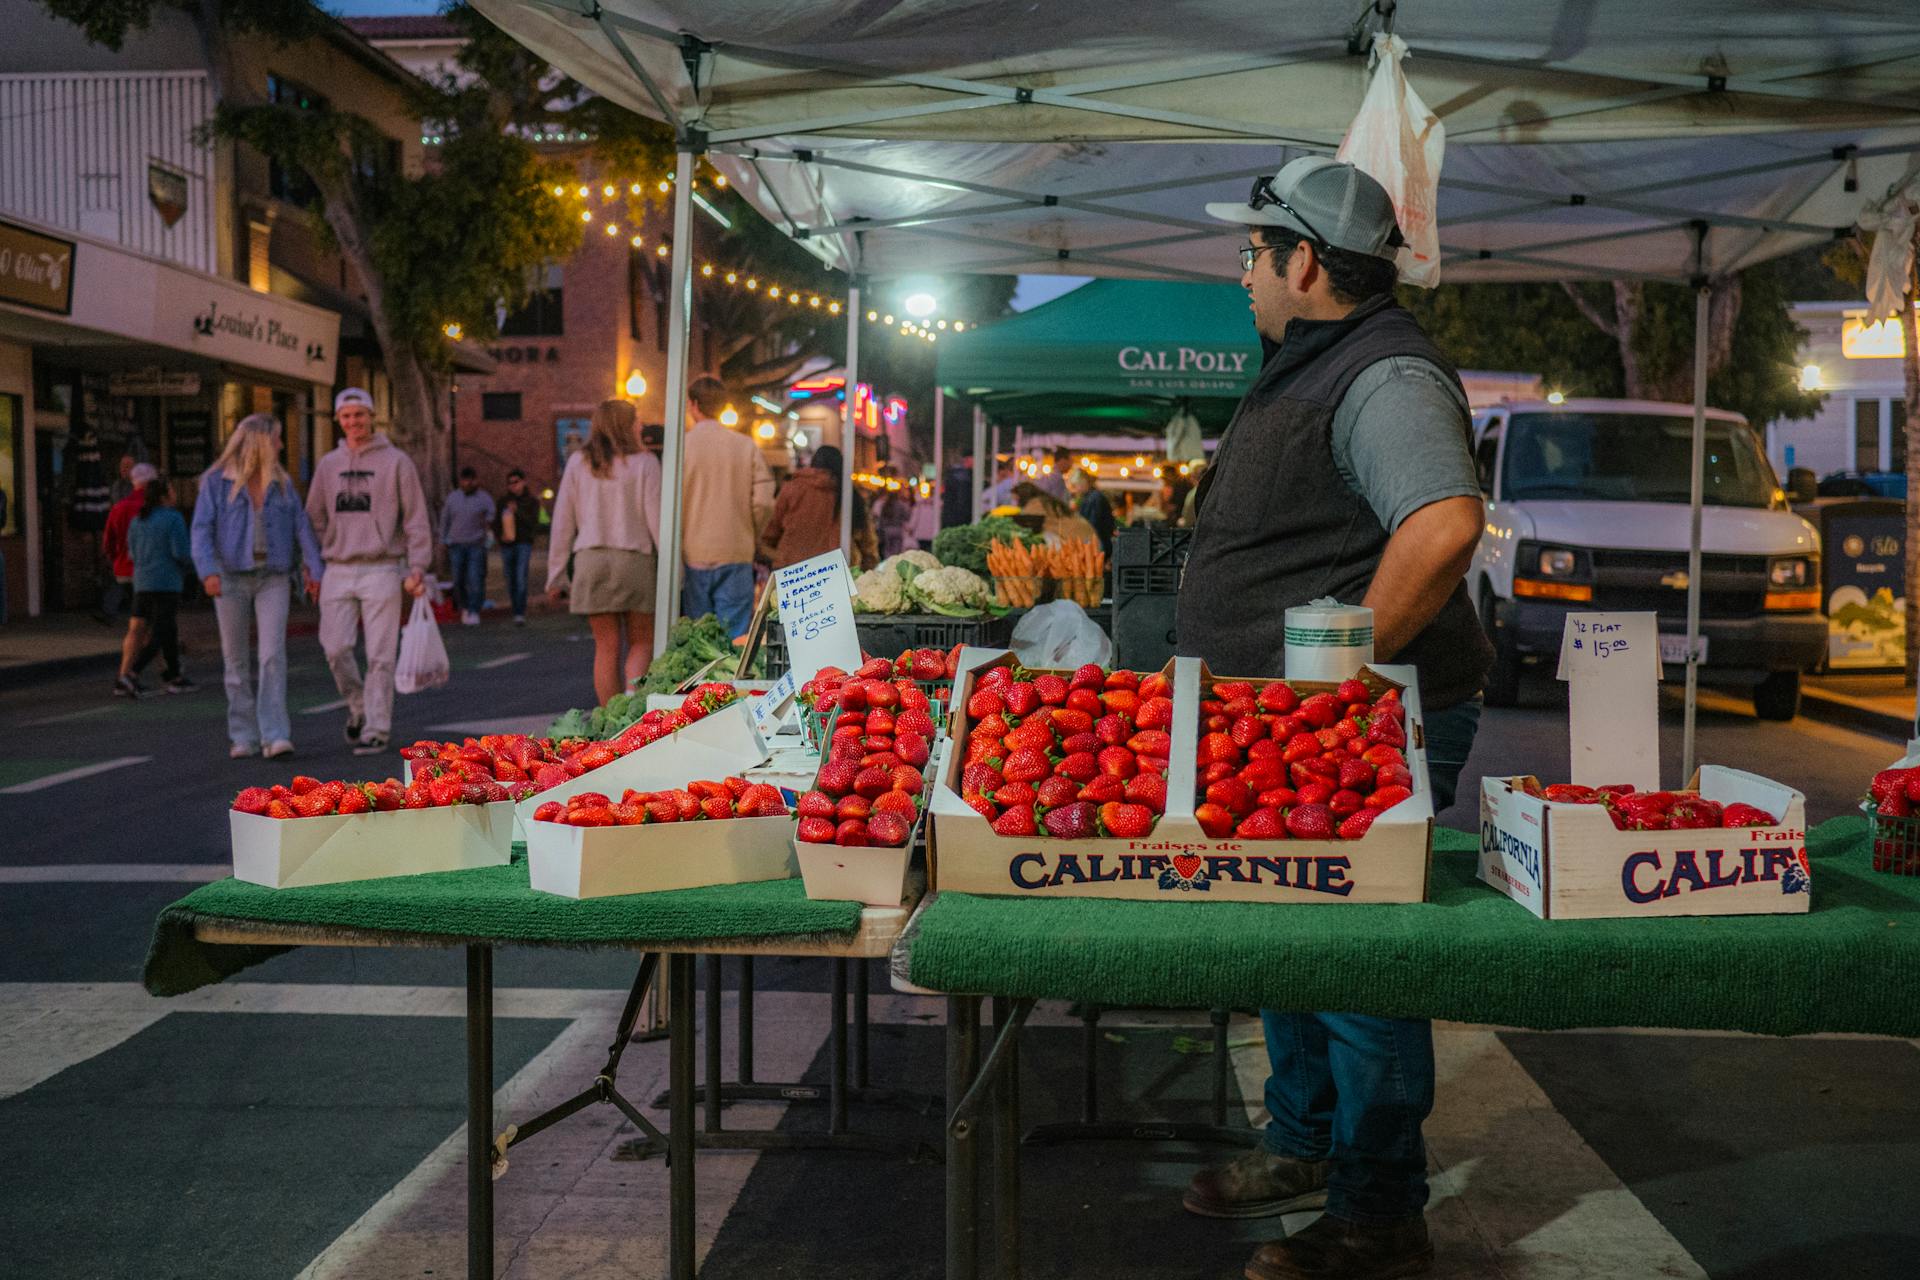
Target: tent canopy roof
<point>1586,138</point>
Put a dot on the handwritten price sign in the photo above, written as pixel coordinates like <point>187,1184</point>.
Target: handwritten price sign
<point>1612,662</point>
<point>816,613</point>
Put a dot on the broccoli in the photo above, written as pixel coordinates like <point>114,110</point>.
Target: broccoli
<point>965,546</point>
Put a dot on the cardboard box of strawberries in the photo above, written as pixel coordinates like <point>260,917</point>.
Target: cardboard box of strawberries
<point>1178,785</point>
<point>312,832</point>
<point>1731,843</point>
<point>869,793</point>
<point>728,831</point>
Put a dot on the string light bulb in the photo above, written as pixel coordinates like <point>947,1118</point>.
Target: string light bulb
<point>753,282</point>
<point>613,228</point>
<point>665,186</point>
<point>636,384</point>
<point>663,250</point>
<point>957,326</point>
<point>833,308</point>
<point>606,192</point>
<point>719,179</point>
<point>873,315</point>
<point>637,241</point>
<point>814,301</point>
<point>581,192</point>
<point>888,320</point>
<point>559,191</point>
<point>706,269</point>
<point>729,417</point>
<point>733,277</point>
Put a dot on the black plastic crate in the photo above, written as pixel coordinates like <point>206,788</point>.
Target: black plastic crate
<point>885,637</point>
<point>1147,563</point>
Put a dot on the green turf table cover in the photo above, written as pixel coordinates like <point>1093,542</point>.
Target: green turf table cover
<point>490,904</point>
<point>1468,953</point>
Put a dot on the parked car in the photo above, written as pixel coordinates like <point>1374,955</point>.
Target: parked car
<point>1588,509</point>
<point>1863,484</point>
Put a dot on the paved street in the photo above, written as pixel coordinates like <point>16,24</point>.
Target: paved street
<point>305,1119</point>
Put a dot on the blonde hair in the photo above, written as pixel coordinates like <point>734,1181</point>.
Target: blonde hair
<point>251,457</point>
<point>613,435</point>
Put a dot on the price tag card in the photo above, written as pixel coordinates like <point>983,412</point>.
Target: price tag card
<point>770,708</point>
<point>1611,662</point>
<point>816,615</point>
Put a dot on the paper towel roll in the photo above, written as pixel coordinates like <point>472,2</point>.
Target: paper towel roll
<point>1327,640</point>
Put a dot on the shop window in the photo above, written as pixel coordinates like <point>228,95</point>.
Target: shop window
<point>500,406</point>
<point>1866,435</point>
<point>1896,435</point>
<point>542,314</point>
<point>292,184</point>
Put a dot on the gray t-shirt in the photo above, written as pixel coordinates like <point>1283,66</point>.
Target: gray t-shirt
<point>1401,438</point>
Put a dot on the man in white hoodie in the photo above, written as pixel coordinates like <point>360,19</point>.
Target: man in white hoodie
<point>370,515</point>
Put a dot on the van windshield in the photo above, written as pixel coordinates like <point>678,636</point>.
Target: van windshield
<point>1632,457</point>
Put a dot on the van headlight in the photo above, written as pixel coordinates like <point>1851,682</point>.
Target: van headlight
<point>1787,572</point>
<point>1538,560</point>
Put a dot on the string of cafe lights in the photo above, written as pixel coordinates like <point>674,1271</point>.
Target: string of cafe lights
<point>927,329</point>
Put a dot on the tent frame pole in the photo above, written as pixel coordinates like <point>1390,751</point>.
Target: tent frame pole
<point>979,460</point>
<point>1696,496</point>
<point>939,450</point>
<point>848,423</point>
<point>672,455</point>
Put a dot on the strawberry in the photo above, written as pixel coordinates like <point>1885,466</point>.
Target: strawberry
<point>879,722</point>
<point>596,756</point>
<point>1112,729</point>
<point>1016,821</point>
<point>1126,821</point>
<point>1355,825</point>
<point>549,812</point>
<point>1896,805</point>
<point>1645,812</point>
<point>1261,824</point>
<point>1217,770</point>
<point>908,779</point>
<point>882,694</point>
<point>815,804</point>
<point>1123,679</point>
<point>1393,775</point>
<point>1022,697</point>
<point>280,809</point>
<point>1081,742</point>
<point>1014,794</point>
<point>761,801</point>
<point>1067,720</point>
<point>918,723</point>
<point>684,802</point>
<point>997,677</point>
<point>1692,813</point>
<point>1088,676</point>
<point>927,664</point>
<point>1246,731</point>
<point>1120,702</point>
<point>1278,697</point>
<point>982,806</point>
<point>594,816</point>
<point>1214,820</point>
<point>889,830</point>
<point>548,776</point>
<point>1075,821</point>
<point>1087,703</point>
<point>1387,797</point>
<point>1030,736</point>
<point>1264,774</point>
<point>1230,794</point>
<point>1056,790</point>
<point>1103,789</point>
<point>1216,747</point>
<point>1345,803</point>
<point>661,809</point>
<point>1080,766</point>
<point>984,703</point>
<point>852,806</point>
<point>1355,775</point>
<point>1265,749</point>
<point>913,698</point>
<point>1567,793</point>
<point>446,790</point>
<point>1746,815</point>
<point>1310,821</point>
<point>1352,691</point>
<point>1156,685</point>
<point>717,807</point>
<point>912,749</point>
<point>1051,688</point>
<point>1321,711</point>
<point>896,802</point>
<point>1118,762</point>
<point>1277,798</point>
<point>355,801</point>
<point>982,750</point>
<point>1026,766</point>
<point>1885,782</point>
<point>313,804</point>
<point>852,833</point>
<point>1147,789</point>
<point>836,777</point>
<point>1385,729</point>
<point>302,784</point>
<point>1301,746</point>
<point>874,669</point>
<point>1154,713</point>
<point>252,800</point>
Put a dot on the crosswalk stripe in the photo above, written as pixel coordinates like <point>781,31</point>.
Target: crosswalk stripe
<point>335,705</point>
<point>502,661</point>
<point>71,775</point>
<point>71,715</point>
<point>125,872</point>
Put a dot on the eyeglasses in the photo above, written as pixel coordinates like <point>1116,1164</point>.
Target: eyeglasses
<point>1263,195</point>
<point>1250,253</point>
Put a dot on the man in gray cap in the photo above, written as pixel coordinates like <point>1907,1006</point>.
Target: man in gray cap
<point>370,516</point>
<point>1347,472</point>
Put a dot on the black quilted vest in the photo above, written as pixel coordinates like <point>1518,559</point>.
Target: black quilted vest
<point>1276,526</point>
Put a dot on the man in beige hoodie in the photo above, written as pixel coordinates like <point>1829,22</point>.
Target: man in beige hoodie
<point>728,496</point>
<point>370,515</point>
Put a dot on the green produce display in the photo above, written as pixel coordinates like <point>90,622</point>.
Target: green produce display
<point>965,545</point>
<point>692,644</point>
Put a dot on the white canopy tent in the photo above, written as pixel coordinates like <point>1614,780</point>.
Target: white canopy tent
<point>1587,139</point>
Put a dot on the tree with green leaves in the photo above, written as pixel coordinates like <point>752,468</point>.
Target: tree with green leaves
<point>450,246</point>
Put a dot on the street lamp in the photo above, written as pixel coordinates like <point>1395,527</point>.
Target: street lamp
<point>636,384</point>
<point>920,304</point>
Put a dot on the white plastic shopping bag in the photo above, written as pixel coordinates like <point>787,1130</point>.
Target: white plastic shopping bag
<point>1059,635</point>
<point>1890,265</point>
<point>1400,143</point>
<point>423,656</point>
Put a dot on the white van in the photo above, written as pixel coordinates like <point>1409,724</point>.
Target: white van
<point>1587,508</point>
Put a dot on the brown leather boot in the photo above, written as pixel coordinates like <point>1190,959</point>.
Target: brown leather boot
<point>1334,1249</point>
<point>1257,1184</point>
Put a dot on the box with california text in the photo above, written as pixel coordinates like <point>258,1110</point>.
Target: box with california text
<point>600,862</point>
<point>282,853</point>
<point>1177,861</point>
<point>1569,862</point>
<point>713,746</point>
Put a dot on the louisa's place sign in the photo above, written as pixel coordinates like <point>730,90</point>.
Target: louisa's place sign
<point>1189,370</point>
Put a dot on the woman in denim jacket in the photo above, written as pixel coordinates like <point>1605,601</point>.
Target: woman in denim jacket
<point>250,532</point>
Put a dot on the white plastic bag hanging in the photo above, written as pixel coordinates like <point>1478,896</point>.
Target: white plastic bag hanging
<point>1060,635</point>
<point>423,656</point>
<point>1398,142</point>
<point>1890,265</point>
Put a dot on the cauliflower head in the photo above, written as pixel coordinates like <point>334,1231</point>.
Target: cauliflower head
<point>924,561</point>
<point>877,592</point>
<point>952,585</point>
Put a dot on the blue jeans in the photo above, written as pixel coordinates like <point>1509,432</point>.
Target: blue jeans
<point>260,599</point>
<point>1355,1089</point>
<point>726,592</point>
<point>468,560</point>
<point>513,563</point>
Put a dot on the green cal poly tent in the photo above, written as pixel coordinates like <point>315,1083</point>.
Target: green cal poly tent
<point>1113,355</point>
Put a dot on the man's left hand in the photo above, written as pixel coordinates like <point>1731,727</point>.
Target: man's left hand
<point>416,584</point>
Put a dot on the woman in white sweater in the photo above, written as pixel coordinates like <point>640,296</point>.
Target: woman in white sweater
<point>606,527</point>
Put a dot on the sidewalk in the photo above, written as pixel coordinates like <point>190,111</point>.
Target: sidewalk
<point>1879,704</point>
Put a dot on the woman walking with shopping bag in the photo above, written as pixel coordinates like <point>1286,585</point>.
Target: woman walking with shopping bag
<point>250,535</point>
<point>606,527</point>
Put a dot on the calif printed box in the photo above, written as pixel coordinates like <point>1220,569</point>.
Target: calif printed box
<point>1569,862</point>
<point>1179,862</point>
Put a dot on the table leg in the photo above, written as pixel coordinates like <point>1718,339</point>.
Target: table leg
<point>963,1042</point>
<point>860,1024</point>
<point>680,1137</point>
<point>744,1036</point>
<point>837,1087</point>
<point>1221,1066</point>
<point>1006,1149</point>
<point>710,1031</point>
<point>479,1112</point>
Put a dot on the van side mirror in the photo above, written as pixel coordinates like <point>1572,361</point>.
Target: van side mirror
<point>1802,485</point>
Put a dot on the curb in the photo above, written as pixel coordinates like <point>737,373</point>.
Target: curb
<point>1817,705</point>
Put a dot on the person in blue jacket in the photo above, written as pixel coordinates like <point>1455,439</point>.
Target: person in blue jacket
<point>157,544</point>
<point>250,535</point>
